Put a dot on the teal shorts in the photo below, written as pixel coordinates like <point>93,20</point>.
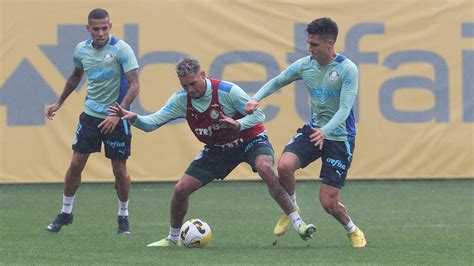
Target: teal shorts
<point>216,162</point>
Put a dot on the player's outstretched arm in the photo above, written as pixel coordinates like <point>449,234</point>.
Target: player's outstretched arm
<point>70,86</point>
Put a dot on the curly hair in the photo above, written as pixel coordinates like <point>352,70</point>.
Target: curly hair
<point>187,65</point>
<point>323,26</point>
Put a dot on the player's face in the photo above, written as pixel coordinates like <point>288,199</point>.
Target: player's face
<point>194,84</point>
<point>99,30</point>
<point>321,49</point>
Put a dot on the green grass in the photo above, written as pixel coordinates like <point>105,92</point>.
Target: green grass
<point>405,222</point>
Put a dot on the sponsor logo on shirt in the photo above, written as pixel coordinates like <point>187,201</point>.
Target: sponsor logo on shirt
<point>323,93</point>
<point>209,130</point>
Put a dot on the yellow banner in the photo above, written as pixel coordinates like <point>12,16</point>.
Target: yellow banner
<point>415,108</point>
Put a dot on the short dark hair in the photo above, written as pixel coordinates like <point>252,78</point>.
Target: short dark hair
<point>98,13</point>
<point>323,26</point>
<point>187,65</point>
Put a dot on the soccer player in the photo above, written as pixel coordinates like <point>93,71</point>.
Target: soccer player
<point>214,110</point>
<point>332,83</point>
<point>112,76</point>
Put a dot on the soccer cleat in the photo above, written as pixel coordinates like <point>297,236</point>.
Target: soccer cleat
<point>283,223</point>
<point>165,242</point>
<point>357,239</point>
<point>123,226</point>
<point>61,219</point>
<point>306,231</point>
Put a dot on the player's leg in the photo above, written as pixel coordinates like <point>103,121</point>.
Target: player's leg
<point>180,200</point>
<point>329,198</point>
<point>178,209</point>
<point>287,165</point>
<point>209,164</point>
<point>336,162</point>
<point>260,155</point>
<point>86,141</point>
<point>298,153</point>
<point>72,182</point>
<point>264,167</point>
<point>122,186</point>
<point>117,149</point>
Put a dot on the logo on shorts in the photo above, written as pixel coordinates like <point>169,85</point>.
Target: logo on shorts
<point>333,76</point>
<point>115,144</point>
<point>336,163</point>
<point>214,114</point>
<point>109,58</point>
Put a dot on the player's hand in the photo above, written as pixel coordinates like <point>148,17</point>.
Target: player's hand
<point>108,125</point>
<point>228,122</point>
<point>51,110</point>
<point>251,106</point>
<point>317,137</point>
<point>118,111</point>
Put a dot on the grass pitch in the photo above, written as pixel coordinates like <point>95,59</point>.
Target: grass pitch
<point>405,222</point>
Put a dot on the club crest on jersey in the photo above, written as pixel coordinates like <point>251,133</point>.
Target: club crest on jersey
<point>214,114</point>
<point>109,58</point>
<point>333,76</point>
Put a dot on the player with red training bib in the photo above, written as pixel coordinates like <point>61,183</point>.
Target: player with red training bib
<point>214,110</point>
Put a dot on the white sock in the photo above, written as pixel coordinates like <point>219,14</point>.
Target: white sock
<point>67,204</point>
<point>350,227</point>
<point>293,199</point>
<point>173,235</point>
<point>296,220</point>
<point>123,208</point>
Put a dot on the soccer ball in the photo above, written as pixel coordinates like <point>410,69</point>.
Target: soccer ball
<point>195,233</point>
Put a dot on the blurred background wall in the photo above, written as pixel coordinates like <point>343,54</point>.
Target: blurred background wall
<point>415,108</point>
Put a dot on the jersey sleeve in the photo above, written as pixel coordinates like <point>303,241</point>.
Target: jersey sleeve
<point>127,58</point>
<point>349,90</point>
<point>238,98</point>
<point>292,73</point>
<point>76,58</point>
<point>174,108</point>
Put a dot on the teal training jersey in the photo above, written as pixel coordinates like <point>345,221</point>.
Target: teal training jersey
<point>105,70</point>
<point>332,90</point>
<point>231,97</point>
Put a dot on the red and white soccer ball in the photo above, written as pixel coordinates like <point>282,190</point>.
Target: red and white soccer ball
<point>195,233</point>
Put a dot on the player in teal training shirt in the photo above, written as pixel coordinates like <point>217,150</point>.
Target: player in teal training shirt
<point>332,82</point>
<point>111,70</point>
<point>214,110</point>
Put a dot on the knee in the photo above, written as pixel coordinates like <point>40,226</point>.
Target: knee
<point>265,168</point>
<point>180,191</point>
<point>285,169</point>
<point>120,173</point>
<point>329,205</point>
